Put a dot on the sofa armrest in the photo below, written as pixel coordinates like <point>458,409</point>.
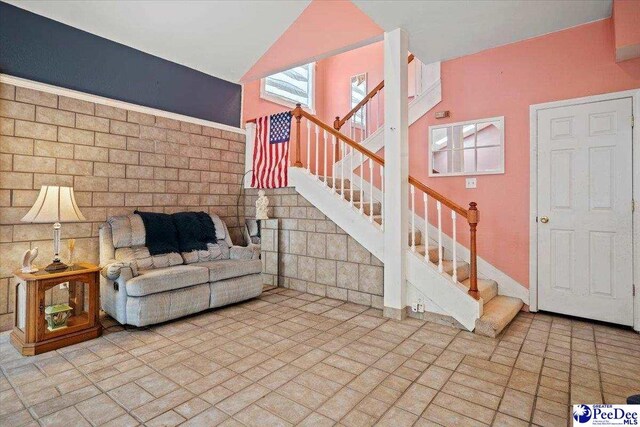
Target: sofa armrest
<point>113,269</point>
<point>245,252</point>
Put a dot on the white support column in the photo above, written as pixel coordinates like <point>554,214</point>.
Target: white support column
<point>248,154</point>
<point>396,174</point>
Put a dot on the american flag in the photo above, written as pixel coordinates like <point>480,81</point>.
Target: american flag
<point>271,151</point>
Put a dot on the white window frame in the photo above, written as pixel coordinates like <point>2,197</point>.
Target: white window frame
<point>500,171</point>
<point>288,102</point>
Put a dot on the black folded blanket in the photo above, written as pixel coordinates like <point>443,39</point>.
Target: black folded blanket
<point>179,232</point>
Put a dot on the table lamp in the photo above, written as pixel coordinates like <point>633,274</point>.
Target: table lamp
<point>55,205</point>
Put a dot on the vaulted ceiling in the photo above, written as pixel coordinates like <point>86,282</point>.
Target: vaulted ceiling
<point>227,38</point>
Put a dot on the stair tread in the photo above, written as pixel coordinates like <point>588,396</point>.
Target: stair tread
<point>497,314</point>
<point>488,288</point>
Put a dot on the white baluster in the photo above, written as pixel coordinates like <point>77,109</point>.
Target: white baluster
<point>351,181</point>
<point>426,226</point>
<point>413,217</point>
<point>325,157</point>
<point>361,183</point>
<point>342,154</point>
<point>371,190</point>
<point>317,153</point>
<point>439,208</point>
<point>454,276</point>
<point>308,147</point>
<point>334,140</point>
<point>382,196</point>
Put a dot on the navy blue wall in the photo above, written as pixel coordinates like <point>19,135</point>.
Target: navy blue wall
<point>37,48</point>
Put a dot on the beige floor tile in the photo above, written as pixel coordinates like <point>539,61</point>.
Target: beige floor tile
<point>525,381</point>
<point>210,417</point>
<point>316,420</point>
<point>340,404</point>
<point>267,360</point>
<point>476,396</point>
<point>416,399</point>
<point>284,408</point>
<point>303,395</point>
<point>242,399</point>
<point>64,418</point>
<point>168,419</point>
<point>254,415</point>
<point>446,417</point>
<point>396,417</point>
<point>466,408</point>
<point>517,404</point>
<point>435,377</point>
<point>130,396</point>
<point>192,407</point>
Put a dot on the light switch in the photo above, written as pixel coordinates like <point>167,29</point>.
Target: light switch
<point>471,183</point>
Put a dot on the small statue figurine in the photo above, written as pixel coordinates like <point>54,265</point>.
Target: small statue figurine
<point>261,206</point>
<point>27,261</point>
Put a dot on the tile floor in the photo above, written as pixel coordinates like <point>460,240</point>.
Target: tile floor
<point>289,358</point>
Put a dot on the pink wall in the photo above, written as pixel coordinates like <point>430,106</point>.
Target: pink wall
<point>325,26</point>
<point>505,81</point>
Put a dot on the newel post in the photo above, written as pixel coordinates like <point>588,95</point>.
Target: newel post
<point>297,113</point>
<point>473,217</point>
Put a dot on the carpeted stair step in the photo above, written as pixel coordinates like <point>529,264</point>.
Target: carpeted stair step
<point>488,288</point>
<point>497,314</point>
<point>377,207</point>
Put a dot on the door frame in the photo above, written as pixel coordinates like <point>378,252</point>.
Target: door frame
<point>634,94</point>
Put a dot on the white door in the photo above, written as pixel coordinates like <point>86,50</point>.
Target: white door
<point>585,260</point>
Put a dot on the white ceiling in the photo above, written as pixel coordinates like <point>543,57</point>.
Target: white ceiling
<point>220,38</point>
<point>225,38</point>
<point>445,29</point>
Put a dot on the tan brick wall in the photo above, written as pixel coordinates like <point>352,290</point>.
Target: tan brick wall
<point>117,161</point>
<point>317,256</point>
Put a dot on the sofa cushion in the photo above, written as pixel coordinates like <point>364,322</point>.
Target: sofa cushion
<point>127,230</point>
<point>218,251</point>
<point>165,279</point>
<point>229,268</point>
<point>143,260</point>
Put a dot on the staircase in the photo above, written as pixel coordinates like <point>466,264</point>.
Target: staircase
<point>344,179</point>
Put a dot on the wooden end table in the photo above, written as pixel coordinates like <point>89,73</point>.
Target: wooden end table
<point>77,286</point>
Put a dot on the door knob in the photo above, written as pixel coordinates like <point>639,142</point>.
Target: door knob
<point>544,219</point>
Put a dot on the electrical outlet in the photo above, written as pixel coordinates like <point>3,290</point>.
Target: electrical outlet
<point>414,307</point>
<point>420,308</point>
<point>471,182</point>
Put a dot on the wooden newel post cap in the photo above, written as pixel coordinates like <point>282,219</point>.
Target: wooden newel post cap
<point>336,123</point>
<point>474,215</point>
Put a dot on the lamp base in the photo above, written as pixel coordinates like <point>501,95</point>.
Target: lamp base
<point>56,265</point>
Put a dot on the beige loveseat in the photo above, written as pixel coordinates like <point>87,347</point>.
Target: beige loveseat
<point>139,289</point>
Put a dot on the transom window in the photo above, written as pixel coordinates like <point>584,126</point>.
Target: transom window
<point>291,87</point>
<point>467,148</point>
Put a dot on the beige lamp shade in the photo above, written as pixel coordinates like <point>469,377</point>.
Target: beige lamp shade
<point>54,204</point>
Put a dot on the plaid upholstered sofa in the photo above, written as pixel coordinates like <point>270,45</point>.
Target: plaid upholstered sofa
<point>139,289</point>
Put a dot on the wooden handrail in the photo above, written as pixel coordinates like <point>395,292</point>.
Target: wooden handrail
<point>370,154</point>
<point>338,123</point>
<point>439,197</point>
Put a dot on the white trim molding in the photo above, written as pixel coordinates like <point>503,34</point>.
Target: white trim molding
<point>533,186</point>
<point>44,87</point>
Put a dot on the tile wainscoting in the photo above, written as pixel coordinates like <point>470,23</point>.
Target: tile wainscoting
<point>315,255</point>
